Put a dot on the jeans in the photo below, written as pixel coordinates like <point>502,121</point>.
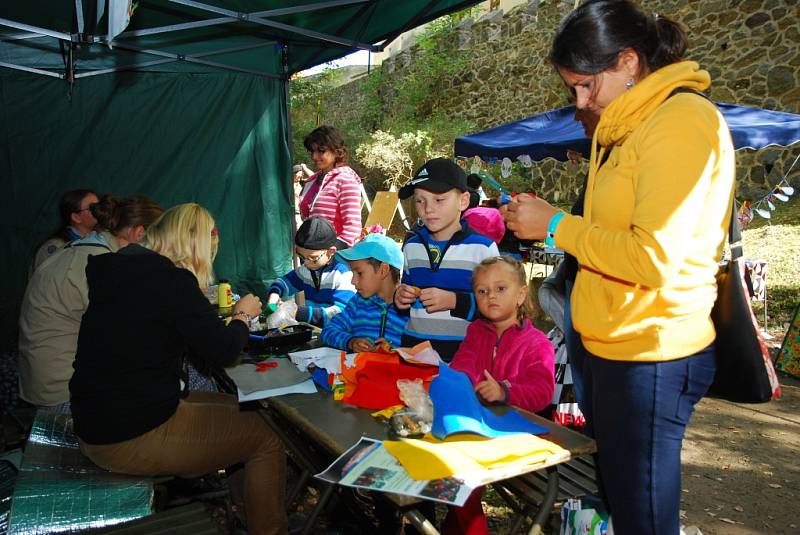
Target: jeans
<point>206,433</point>
<point>576,353</point>
<point>637,412</point>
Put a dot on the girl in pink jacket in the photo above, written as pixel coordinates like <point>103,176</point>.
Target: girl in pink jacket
<point>507,359</point>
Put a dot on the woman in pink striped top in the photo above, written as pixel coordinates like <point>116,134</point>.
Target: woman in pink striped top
<point>333,192</point>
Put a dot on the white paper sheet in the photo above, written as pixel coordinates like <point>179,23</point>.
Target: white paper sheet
<point>306,387</point>
<point>321,357</point>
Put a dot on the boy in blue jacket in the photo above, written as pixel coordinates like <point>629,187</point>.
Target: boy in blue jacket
<point>327,283</point>
<point>440,255</point>
<point>370,317</point>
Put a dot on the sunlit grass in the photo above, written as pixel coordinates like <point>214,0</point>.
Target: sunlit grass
<point>777,240</point>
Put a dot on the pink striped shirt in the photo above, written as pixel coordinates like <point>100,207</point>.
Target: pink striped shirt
<point>338,200</point>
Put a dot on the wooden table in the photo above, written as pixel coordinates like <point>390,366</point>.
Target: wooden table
<point>317,429</point>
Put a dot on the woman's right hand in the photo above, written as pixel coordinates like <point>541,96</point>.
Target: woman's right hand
<point>249,304</point>
<point>527,216</point>
<point>405,296</point>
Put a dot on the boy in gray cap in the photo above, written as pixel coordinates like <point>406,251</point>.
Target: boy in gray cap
<point>327,282</point>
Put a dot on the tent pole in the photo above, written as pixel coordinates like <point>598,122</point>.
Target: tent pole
<point>79,16</point>
<point>35,29</point>
<point>288,141</point>
<point>227,20</point>
<point>244,17</point>
<point>411,24</point>
<point>348,23</point>
<point>171,60</point>
<point>195,59</point>
<point>31,69</point>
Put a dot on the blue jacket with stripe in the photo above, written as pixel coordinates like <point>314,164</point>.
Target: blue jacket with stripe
<point>327,291</point>
<point>370,317</point>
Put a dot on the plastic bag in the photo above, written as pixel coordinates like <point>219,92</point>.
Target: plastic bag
<point>584,517</point>
<point>284,316</point>
<point>413,394</point>
<point>415,420</point>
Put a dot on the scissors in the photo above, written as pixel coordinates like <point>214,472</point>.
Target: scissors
<point>264,366</point>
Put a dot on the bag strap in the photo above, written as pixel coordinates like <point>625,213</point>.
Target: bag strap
<point>735,234</point>
<point>734,230</point>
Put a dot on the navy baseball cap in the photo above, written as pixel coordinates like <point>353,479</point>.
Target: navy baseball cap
<point>438,175</point>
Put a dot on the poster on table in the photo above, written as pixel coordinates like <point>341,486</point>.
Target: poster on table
<point>368,465</point>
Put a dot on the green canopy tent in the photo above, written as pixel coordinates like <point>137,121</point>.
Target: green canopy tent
<point>188,102</point>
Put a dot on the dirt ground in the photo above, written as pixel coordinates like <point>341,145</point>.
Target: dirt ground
<point>741,474</point>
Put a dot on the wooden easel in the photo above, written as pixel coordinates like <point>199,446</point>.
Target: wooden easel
<point>383,208</point>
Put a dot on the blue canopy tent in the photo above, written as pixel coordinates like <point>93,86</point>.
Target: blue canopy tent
<point>550,134</point>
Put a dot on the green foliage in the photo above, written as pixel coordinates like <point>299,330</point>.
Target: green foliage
<point>309,90</point>
<point>395,157</point>
<point>415,93</point>
<point>777,240</point>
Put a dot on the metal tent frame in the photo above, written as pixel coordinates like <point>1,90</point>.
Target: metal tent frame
<point>289,35</point>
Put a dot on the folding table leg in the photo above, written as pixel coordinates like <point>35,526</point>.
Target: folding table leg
<point>324,497</point>
<point>422,524</point>
<point>297,487</point>
<point>548,500</point>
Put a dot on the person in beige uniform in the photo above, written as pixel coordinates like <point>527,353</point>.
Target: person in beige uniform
<point>57,296</point>
<point>77,221</point>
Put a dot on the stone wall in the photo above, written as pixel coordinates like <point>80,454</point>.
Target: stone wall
<point>750,47</point>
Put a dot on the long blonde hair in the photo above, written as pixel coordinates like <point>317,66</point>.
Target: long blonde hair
<point>527,309</point>
<point>186,235</point>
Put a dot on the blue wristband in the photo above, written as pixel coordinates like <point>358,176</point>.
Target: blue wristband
<point>551,228</point>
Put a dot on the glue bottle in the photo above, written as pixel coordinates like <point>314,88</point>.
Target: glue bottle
<point>225,295</point>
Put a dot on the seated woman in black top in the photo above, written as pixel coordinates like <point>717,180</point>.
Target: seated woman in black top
<point>147,313</point>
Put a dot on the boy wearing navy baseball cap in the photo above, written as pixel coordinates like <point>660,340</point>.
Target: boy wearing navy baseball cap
<point>439,256</point>
<point>370,317</point>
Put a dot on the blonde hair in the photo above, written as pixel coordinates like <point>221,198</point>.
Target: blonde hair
<point>527,309</point>
<point>184,235</point>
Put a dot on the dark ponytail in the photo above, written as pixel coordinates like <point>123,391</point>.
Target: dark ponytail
<point>115,214</point>
<point>590,38</point>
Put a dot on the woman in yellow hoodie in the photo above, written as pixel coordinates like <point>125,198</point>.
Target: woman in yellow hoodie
<point>657,206</point>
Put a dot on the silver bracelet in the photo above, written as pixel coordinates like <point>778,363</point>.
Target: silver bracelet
<point>247,317</point>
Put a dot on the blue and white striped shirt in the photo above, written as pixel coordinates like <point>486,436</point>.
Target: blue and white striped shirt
<point>327,291</point>
<point>371,318</point>
<point>449,269</point>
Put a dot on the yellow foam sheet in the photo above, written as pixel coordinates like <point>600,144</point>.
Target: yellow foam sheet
<point>430,458</point>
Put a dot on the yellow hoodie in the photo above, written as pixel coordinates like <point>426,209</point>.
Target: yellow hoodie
<point>655,221</point>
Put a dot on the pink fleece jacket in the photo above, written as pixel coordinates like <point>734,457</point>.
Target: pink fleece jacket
<point>523,356</point>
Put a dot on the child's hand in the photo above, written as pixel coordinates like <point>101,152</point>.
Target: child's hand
<point>405,296</point>
<point>360,345</point>
<point>383,343</point>
<point>437,300</point>
<point>490,390</point>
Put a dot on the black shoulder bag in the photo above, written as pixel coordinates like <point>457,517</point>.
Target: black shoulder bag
<point>745,372</point>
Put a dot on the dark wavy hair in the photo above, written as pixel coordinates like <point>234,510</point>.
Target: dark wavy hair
<point>117,213</point>
<point>591,37</point>
<point>327,137</point>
